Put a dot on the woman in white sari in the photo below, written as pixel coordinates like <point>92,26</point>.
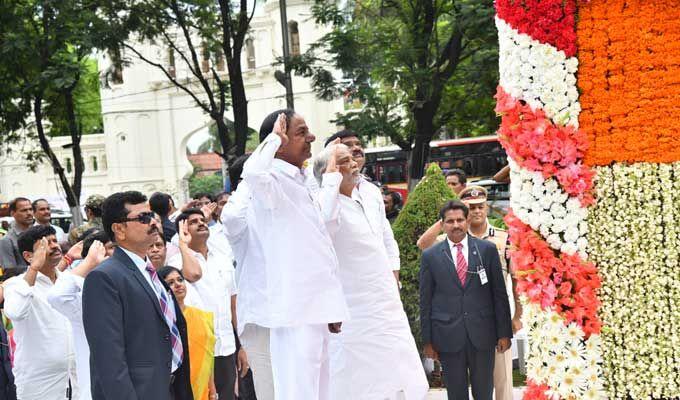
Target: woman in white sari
<point>375,356</point>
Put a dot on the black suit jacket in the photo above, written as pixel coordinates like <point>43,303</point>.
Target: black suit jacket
<point>130,350</point>
<point>450,312</point>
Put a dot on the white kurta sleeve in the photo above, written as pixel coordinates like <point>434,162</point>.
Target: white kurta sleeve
<point>257,171</point>
<point>391,245</point>
<point>235,213</point>
<point>18,298</point>
<point>329,200</point>
<point>66,296</point>
<point>388,239</point>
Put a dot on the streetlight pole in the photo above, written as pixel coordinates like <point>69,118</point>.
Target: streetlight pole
<point>288,83</point>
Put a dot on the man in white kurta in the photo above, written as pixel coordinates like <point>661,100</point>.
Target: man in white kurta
<point>66,297</point>
<point>44,362</point>
<point>303,295</point>
<point>375,355</point>
<point>238,222</point>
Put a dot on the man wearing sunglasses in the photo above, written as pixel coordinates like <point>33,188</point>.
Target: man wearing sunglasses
<point>136,332</point>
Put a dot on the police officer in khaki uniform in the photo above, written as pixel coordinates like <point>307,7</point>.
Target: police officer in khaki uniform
<point>93,212</point>
<point>475,197</point>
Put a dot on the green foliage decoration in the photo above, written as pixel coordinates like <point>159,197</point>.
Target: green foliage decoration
<point>419,213</point>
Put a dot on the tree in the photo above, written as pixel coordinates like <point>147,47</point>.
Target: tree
<point>205,184</point>
<point>212,143</point>
<point>199,35</point>
<point>44,48</point>
<point>419,213</point>
<point>420,68</point>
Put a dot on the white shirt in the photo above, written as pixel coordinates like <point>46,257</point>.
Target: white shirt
<point>66,296</point>
<point>213,293</point>
<point>300,266</point>
<point>454,250</point>
<point>43,360</point>
<point>237,216</point>
<point>371,199</point>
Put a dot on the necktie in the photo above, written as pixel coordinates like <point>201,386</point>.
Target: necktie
<point>170,317</point>
<point>461,265</point>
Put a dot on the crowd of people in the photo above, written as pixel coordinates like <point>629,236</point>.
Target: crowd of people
<point>286,288</point>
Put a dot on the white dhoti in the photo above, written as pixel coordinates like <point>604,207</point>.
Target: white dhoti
<point>255,340</point>
<point>300,362</point>
<point>375,356</point>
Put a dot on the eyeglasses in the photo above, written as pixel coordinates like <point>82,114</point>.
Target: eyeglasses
<point>143,218</point>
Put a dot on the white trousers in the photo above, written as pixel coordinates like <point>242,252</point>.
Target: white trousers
<point>300,362</point>
<point>502,375</point>
<point>255,340</point>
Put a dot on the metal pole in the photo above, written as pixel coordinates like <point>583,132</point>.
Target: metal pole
<point>286,55</point>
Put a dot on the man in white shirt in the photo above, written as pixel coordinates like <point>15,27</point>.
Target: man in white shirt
<point>44,362</point>
<point>43,213</point>
<point>66,296</point>
<point>212,287</point>
<point>238,220</point>
<point>303,297</point>
<point>370,197</point>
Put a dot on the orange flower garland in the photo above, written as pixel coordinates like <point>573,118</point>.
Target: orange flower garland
<point>629,78</point>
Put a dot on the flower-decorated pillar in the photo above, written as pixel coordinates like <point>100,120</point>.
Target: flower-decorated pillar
<point>589,96</point>
<point>551,190</point>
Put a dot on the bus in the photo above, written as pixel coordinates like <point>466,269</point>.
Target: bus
<point>480,157</point>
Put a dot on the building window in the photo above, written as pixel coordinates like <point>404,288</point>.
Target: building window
<point>103,162</point>
<point>69,166</point>
<point>95,166</point>
<point>219,61</point>
<point>250,53</point>
<point>205,62</point>
<point>171,62</point>
<point>294,35</point>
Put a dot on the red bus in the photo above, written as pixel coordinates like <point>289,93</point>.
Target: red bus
<point>480,157</point>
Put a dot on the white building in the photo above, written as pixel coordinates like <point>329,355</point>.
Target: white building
<point>148,121</point>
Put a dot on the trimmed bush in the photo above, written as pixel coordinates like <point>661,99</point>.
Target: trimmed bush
<point>419,213</point>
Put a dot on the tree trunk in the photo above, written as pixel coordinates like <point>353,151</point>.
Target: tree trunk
<point>78,163</point>
<point>424,121</point>
<point>223,136</point>
<point>239,105</point>
<point>71,198</point>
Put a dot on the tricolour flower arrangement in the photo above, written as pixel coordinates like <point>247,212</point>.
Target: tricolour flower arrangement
<point>595,181</point>
<point>629,79</point>
<point>550,191</point>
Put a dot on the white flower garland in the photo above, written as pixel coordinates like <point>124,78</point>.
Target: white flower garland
<point>635,238</point>
<point>560,357</point>
<point>538,74</point>
<point>543,205</point>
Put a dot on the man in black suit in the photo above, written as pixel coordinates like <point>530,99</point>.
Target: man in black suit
<point>464,308</point>
<point>136,331</point>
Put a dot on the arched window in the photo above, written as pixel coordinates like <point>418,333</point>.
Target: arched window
<point>95,166</point>
<point>294,35</point>
<point>250,53</point>
<point>205,61</point>
<point>69,166</point>
<point>103,162</point>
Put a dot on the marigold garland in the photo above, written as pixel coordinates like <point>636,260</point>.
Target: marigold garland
<point>629,77</point>
<point>548,21</point>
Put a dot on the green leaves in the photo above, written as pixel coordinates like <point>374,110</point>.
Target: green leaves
<point>413,65</point>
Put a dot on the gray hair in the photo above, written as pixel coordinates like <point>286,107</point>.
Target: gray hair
<point>321,161</point>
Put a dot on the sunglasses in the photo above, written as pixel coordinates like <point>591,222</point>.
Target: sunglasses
<point>143,218</point>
